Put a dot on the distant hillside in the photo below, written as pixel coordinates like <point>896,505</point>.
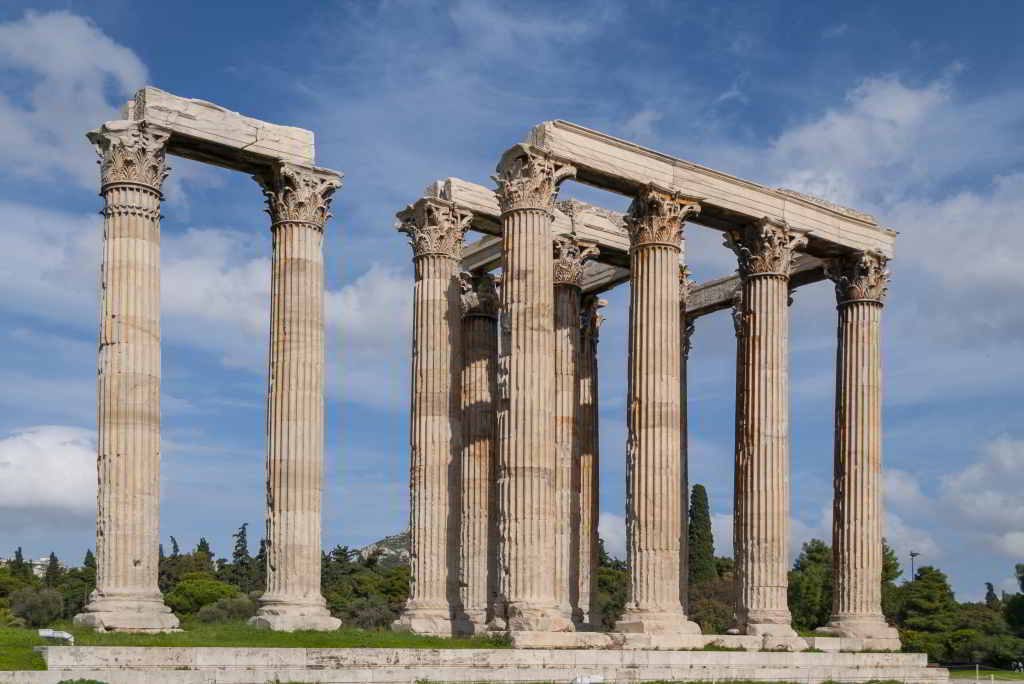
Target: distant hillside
<point>392,550</point>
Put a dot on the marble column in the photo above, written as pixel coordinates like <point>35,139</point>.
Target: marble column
<point>527,185</point>
<point>686,329</point>
<point>436,230</point>
<point>132,170</point>
<point>570,256</point>
<point>765,252</point>
<point>298,201</point>
<point>861,282</point>
<point>655,515</point>
<point>586,614</point>
<point>478,530</point>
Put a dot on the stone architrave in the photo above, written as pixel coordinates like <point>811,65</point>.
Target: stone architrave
<point>527,185</point>
<point>478,554</point>
<point>765,252</point>
<point>570,256</point>
<point>655,516</point>
<point>127,598</point>
<point>436,230</point>
<point>686,328</point>
<point>298,201</point>
<point>861,283</point>
<point>589,462</point>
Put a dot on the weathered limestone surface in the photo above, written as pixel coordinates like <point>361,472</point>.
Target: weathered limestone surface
<point>589,462</point>
<point>527,184</point>
<point>861,282</point>
<point>478,559</point>
<point>761,527</point>
<point>436,230</point>
<point>133,168</point>
<point>121,665</point>
<point>298,201</point>
<point>686,329</point>
<point>207,132</point>
<point>570,256</point>
<point>655,516</point>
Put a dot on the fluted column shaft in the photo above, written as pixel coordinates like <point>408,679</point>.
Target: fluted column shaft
<point>436,231</point>
<point>478,547</point>
<point>589,462</point>
<point>128,384</point>
<point>861,282</point>
<point>298,202</point>
<point>762,428</point>
<point>527,184</point>
<point>655,513</point>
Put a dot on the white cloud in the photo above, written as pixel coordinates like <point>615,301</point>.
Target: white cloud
<point>904,538</point>
<point>48,468</point>
<point>612,529</point>
<point>69,66</point>
<point>902,490</point>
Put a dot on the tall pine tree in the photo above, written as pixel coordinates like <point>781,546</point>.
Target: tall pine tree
<point>701,550</point>
<point>53,571</point>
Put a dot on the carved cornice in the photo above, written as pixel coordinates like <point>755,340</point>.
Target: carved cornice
<point>479,294</point>
<point>131,152</point>
<point>591,318</point>
<point>435,226</point>
<point>570,256</point>
<point>298,194</point>
<point>859,277</point>
<point>831,206</point>
<point>656,217</point>
<point>528,178</point>
<point>766,247</point>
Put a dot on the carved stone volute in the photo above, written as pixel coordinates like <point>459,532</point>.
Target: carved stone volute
<point>862,276</point>
<point>298,194</point>
<point>656,217</point>
<point>479,294</point>
<point>528,178</point>
<point>590,316</point>
<point>570,256</point>
<point>131,152</point>
<point>765,247</point>
<point>435,226</point>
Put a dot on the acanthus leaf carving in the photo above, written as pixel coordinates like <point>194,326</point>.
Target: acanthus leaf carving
<point>656,217</point>
<point>528,178</point>
<point>435,226</point>
<point>590,316</point>
<point>131,152</point>
<point>861,276</point>
<point>479,294</point>
<point>686,285</point>
<point>570,257</point>
<point>765,247</point>
<point>298,194</point>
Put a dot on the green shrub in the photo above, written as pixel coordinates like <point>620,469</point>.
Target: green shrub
<point>714,617</point>
<point>8,619</point>
<point>230,609</point>
<point>38,607</point>
<point>192,594</point>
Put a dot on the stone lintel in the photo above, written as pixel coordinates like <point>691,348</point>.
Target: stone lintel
<point>209,133</point>
<point>727,202</point>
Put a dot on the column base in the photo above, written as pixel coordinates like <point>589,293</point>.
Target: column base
<point>637,621</point>
<point>281,615</point>
<point>773,623</point>
<point>471,622</point>
<point>873,630</point>
<point>146,613</point>
<point>426,621</point>
<point>532,618</point>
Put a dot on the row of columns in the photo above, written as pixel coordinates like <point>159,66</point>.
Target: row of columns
<point>133,168</point>
<point>513,401</point>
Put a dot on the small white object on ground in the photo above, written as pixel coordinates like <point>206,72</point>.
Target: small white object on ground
<point>55,634</point>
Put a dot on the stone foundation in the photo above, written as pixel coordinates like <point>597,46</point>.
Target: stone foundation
<point>123,665</point>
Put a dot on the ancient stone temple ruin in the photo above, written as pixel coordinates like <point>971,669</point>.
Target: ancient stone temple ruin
<point>133,167</point>
<point>504,453</point>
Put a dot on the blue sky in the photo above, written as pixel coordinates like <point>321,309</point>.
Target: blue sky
<point>913,112</point>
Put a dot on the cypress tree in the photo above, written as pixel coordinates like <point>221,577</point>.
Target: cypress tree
<point>702,567</point>
<point>90,560</point>
<point>53,571</point>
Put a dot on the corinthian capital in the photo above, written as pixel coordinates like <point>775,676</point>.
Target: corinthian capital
<point>686,284</point>
<point>479,294</point>
<point>528,179</point>
<point>656,217</point>
<point>859,277</point>
<point>765,247</point>
<point>570,255</point>
<point>298,194</point>
<point>590,316</point>
<point>131,152</point>
<point>434,226</point>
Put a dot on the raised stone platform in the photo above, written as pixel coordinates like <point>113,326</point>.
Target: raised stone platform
<point>156,665</point>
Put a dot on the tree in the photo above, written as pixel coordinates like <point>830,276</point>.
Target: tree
<point>204,557</point>
<point>18,567</point>
<point>991,598</point>
<point>701,549</point>
<point>90,560</point>
<point>175,549</point>
<point>259,571</point>
<point>810,586</point>
<point>609,600</point>
<point>38,607</point>
<point>53,571</point>
<point>891,594</point>
<point>1019,568</point>
<point>928,602</point>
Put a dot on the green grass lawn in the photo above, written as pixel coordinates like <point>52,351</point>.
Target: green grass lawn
<point>16,644</point>
<point>998,675</point>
